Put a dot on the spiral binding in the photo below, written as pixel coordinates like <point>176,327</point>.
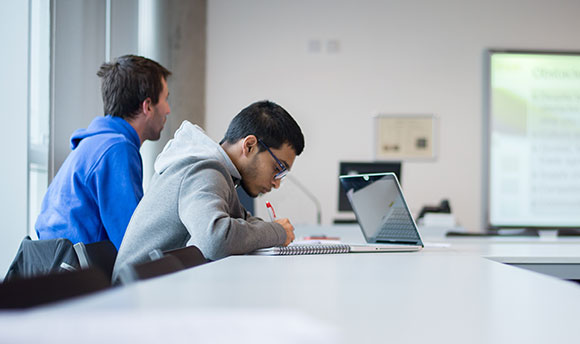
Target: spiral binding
<point>305,249</point>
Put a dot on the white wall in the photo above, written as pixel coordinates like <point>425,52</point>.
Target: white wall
<point>394,57</point>
<point>14,138</point>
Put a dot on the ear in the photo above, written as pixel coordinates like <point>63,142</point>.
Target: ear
<point>147,107</point>
<point>249,145</point>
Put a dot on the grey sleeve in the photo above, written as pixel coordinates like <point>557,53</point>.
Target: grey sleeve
<point>213,216</point>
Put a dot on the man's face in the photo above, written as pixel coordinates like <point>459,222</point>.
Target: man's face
<point>259,171</point>
<point>159,114</point>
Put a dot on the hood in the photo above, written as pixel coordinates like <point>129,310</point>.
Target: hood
<point>191,141</point>
<point>106,125</point>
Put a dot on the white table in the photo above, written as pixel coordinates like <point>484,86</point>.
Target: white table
<point>439,295</point>
<point>558,257</point>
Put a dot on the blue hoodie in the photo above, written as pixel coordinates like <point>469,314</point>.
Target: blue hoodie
<point>97,188</point>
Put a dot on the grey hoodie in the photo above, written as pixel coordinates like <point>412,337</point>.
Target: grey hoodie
<point>192,201</point>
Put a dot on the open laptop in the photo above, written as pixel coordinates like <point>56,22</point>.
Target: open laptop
<point>382,213</point>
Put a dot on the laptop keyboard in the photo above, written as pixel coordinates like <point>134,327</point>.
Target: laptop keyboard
<point>397,226</point>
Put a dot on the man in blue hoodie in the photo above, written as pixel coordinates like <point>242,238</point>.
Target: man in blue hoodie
<point>99,185</point>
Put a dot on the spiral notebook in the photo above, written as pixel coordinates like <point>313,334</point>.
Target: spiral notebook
<point>303,248</point>
<point>381,212</point>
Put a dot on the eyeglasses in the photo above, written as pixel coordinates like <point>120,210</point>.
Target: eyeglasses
<point>282,170</point>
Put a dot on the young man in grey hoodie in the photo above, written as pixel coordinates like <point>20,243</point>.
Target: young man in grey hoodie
<point>192,197</point>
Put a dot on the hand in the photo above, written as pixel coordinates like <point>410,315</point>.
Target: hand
<point>288,228</point>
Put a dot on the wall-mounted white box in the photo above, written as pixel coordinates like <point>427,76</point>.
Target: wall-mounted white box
<point>404,137</point>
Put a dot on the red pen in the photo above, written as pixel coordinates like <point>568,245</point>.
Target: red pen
<point>271,211</point>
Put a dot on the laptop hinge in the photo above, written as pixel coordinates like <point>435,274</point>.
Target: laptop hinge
<point>397,242</point>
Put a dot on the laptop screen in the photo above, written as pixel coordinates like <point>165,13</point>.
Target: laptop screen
<point>380,208</point>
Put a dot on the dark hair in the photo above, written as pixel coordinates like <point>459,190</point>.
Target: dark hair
<point>128,81</point>
<point>270,123</point>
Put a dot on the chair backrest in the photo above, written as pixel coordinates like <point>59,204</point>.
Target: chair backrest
<point>42,257</point>
<point>159,267</point>
<point>100,255</point>
<point>34,291</point>
<point>189,256</point>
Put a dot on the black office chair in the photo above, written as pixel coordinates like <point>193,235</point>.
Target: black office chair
<point>189,256</point>
<point>100,255</point>
<point>158,267</point>
<point>39,290</point>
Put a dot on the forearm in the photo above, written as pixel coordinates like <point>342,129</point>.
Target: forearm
<point>224,236</point>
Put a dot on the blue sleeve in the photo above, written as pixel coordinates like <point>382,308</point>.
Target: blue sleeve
<point>119,188</point>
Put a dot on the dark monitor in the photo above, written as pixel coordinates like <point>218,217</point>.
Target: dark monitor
<point>350,167</point>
